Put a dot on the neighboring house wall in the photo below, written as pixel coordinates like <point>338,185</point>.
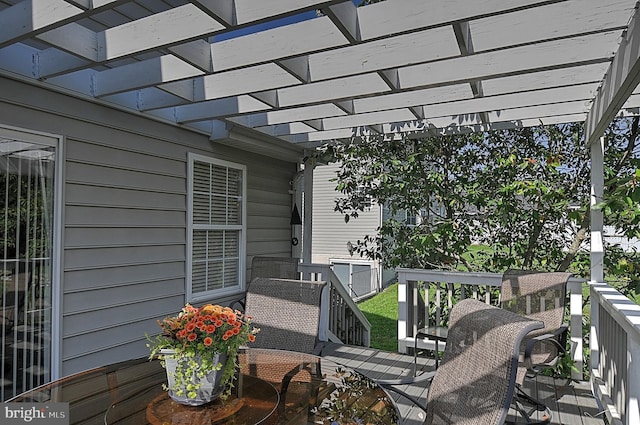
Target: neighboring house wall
<point>331,235</point>
<point>616,238</point>
<point>124,229</point>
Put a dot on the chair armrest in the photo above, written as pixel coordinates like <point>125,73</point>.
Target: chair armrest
<point>391,385</point>
<point>558,338</point>
<point>425,377</point>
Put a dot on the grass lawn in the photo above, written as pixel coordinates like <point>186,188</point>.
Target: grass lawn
<point>382,312</point>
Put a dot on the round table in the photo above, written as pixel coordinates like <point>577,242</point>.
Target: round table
<point>273,387</point>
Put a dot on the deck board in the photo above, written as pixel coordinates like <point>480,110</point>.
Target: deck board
<point>571,403</point>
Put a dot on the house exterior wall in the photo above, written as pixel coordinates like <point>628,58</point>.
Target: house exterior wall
<point>124,219</point>
<point>330,234</point>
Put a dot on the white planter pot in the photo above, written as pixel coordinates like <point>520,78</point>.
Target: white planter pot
<point>210,388</point>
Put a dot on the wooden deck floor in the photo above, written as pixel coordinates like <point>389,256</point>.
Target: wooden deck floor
<point>572,403</point>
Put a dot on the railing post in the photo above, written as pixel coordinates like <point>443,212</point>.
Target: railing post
<point>325,308</point>
<point>575,309</point>
<point>594,336</point>
<point>633,367</point>
<point>403,311</point>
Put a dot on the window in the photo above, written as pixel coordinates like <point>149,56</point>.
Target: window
<point>216,228</point>
<point>29,251</point>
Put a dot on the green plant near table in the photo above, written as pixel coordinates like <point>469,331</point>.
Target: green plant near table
<point>197,336</point>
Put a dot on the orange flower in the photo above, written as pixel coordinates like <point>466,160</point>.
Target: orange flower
<point>207,309</point>
<point>211,329</point>
<point>192,337</point>
<point>252,337</point>
<point>208,341</point>
<point>190,327</point>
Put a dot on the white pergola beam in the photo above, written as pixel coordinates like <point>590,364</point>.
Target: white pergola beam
<point>250,10</point>
<point>379,55</point>
<point>345,17</point>
<point>306,113</point>
<point>519,60</point>
<point>142,74</point>
<point>93,4</point>
<point>291,93</point>
<point>568,18</point>
<point>29,17</point>
<point>33,15</point>
<point>197,53</point>
<point>277,43</point>
<point>76,39</point>
<point>223,107</point>
<point>620,81</point>
<point>160,29</point>
<point>545,79</point>
<point>560,95</point>
<point>397,16</point>
<point>413,98</point>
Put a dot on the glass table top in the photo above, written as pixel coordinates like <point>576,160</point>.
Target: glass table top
<point>273,387</point>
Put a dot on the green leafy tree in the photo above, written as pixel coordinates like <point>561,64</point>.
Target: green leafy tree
<point>522,192</point>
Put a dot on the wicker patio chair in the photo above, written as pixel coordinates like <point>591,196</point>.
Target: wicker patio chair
<point>287,312</point>
<point>475,382</point>
<point>538,296</point>
<point>277,267</point>
<point>281,267</point>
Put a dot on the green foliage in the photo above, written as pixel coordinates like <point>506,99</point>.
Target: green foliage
<point>24,211</point>
<point>524,193</point>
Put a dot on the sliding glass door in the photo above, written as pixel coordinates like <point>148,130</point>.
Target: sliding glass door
<point>27,176</point>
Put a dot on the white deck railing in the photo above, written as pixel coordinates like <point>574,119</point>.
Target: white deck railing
<point>615,353</point>
<point>340,320</point>
<point>614,337</point>
<point>448,285</point>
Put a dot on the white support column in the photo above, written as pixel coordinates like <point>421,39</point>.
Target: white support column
<point>597,248</point>
<point>575,306</point>
<point>597,189</point>
<point>403,310</point>
<point>307,221</point>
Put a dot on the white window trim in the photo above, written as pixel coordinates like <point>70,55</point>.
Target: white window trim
<point>218,293</point>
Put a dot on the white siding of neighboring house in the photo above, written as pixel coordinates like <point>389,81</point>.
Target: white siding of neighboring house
<point>331,234</point>
<point>124,229</point>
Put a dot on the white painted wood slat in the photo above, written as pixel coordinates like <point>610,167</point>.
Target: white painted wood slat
<point>33,15</point>
<point>562,19</point>
<point>277,43</point>
<point>520,60</point>
<point>142,74</point>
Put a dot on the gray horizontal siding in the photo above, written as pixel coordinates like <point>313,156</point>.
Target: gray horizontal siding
<point>330,232</point>
<point>77,237</point>
<point>83,279</point>
<point>125,218</point>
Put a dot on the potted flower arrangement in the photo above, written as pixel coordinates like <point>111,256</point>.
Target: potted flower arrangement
<point>199,348</point>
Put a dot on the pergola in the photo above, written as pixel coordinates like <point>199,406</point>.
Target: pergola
<point>308,71</point>
<point>281,76</point>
